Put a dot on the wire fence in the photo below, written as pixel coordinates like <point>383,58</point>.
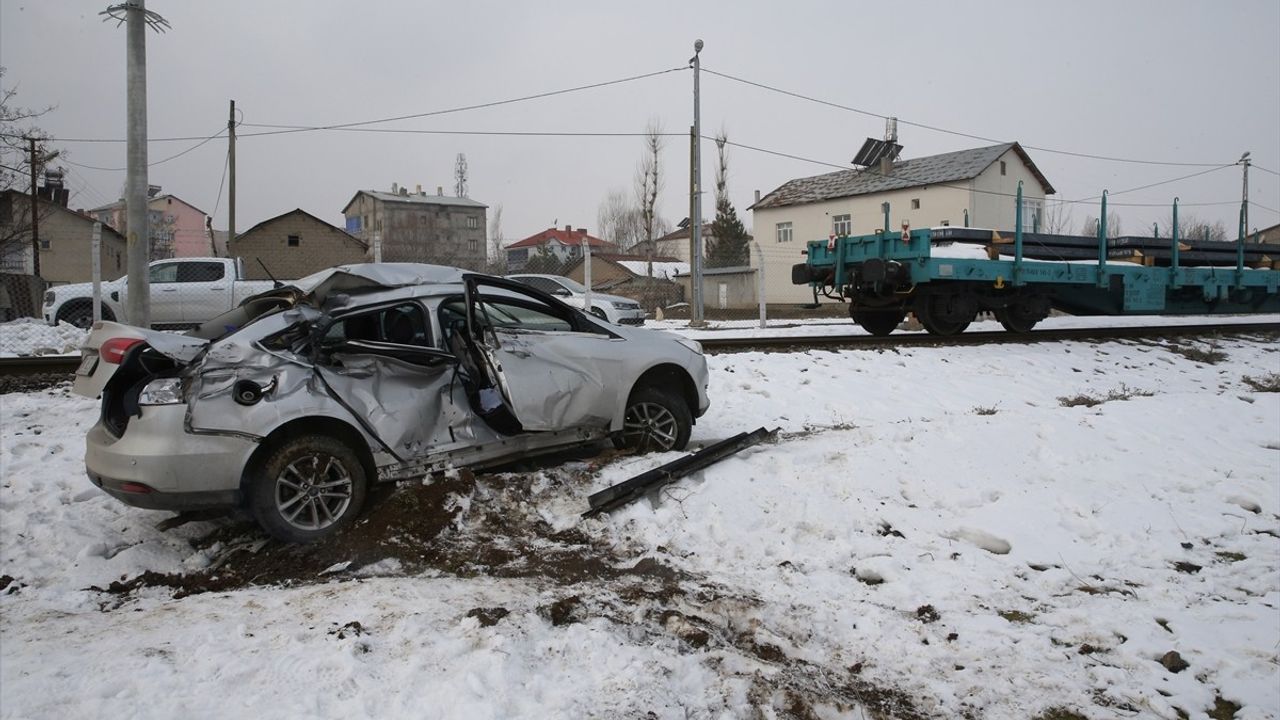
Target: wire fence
<point>51,313</point>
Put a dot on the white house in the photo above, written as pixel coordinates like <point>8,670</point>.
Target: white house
<point>978,184</point>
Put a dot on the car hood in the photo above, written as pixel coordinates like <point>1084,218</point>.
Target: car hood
<point>615,299</point>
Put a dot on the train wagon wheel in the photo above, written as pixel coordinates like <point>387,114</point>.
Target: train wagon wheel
<point>1016,318</point>
<point>945,314</point>
<point>877,321</point>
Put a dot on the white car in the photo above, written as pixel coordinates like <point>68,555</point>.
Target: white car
<point>614,308</point>
<point>293,403</point>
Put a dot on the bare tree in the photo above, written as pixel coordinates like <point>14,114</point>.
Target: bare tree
<point>649,184</point>
<point>618,220</point>
<point>1191,227</point>
<point>16,129</point>
<point>1090,227</point>
<point>497,260</point>
<point>1057,218</point>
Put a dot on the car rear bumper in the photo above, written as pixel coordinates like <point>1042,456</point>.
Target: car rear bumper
<point>182,471</point>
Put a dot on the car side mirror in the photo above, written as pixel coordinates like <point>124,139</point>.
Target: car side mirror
<point>561,292</point>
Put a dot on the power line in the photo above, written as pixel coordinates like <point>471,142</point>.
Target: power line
<point>464,108</point>
<point>935,128</point>
<point>514,133</point>
<point>1265,170</point>
<point>157,162</point>
<point>801,158</point>
<point>1157,184</point>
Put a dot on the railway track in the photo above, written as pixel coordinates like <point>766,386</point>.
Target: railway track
<point>62,366</point>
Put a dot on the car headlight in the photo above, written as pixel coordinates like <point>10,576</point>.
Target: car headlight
<point>693,345</point>
<point>165,391</point>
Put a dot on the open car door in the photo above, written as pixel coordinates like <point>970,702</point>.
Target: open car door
<point>548,365</point>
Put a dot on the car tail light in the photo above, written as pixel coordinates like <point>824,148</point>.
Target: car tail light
<point>135,487</point>
<point>113,350</point>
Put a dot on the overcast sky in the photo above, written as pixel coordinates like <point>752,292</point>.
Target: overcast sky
<point>1165,81</point>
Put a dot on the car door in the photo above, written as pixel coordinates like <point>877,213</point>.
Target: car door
<point>166,298</point>
<point>381,363</point>
<point>205,290</point>
<point>554,369</point>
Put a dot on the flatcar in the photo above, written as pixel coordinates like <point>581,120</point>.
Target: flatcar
<point>946,276</point>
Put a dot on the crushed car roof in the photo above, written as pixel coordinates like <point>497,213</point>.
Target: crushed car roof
<point>369,276</point>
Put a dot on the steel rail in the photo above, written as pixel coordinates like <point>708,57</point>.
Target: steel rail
<point>57,364</point>
<point>806,342</point>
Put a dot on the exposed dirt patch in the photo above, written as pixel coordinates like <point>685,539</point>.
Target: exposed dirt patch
<point>1263,383</point>
<point>457,525</point>
<point>33,383</point>
<point>488,617</point>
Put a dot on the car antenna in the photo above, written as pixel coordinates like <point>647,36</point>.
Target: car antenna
<point>268,272</point>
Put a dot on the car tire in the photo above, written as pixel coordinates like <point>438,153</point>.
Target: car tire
<point>80,314</point>
<point>655,420</point>
<point>307,488</point>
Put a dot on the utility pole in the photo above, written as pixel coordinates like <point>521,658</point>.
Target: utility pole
<point>231,171</point>
<point>1244,195</point>
<point>136,18</point>
<point>696,316</point>
<point>35,213</point>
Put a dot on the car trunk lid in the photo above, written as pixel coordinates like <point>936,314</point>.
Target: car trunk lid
<point>109,341</point>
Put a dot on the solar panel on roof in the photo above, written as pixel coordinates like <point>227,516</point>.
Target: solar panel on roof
<point>873,150</point>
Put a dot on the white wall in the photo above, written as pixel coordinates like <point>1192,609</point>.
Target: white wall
<point>939,204</point>
<point>813,221</point>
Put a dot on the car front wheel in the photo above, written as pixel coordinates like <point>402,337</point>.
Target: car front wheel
<point>655,420</point>
<point>307,488</point>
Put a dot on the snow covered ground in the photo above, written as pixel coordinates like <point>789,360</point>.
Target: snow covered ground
<point>32,336</point>
<point>982,532</point>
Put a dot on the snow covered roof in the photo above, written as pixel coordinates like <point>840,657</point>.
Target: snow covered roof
<point>567,236</point>
<point>666,270</point>
<point>416,198</point>
<point>928,170</point>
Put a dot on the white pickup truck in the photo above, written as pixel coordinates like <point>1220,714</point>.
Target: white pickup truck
<point>184,292</point>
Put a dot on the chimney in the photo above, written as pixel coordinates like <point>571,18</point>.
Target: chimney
<point>757,196</point>
<point>395,189</point>
<point>417,189</point>
<point>886,165</point>
<point>582,231</point>
<point>440,190</point>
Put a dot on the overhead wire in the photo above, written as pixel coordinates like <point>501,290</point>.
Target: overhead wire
<point>175,156</point>
<point>935,128</point>
<point>998,193</point>
<point>280,130</point>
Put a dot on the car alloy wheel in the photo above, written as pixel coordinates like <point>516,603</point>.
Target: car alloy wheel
<point>313,492</point>
<point>649,426</point>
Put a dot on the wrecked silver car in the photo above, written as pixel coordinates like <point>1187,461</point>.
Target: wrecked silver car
<point>291,404</point>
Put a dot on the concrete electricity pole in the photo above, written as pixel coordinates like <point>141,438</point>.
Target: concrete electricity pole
<point>1244,196</point>
<point>35,212</point>
<point>137,18</point>
<point>695,284</point>
<point>231,172</point>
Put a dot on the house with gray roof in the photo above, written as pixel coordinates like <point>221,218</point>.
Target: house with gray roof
<point>976,187</point>
<point>420,227</point>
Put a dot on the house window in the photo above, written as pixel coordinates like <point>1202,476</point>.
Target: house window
<point>784,232</point>
<point>841,225</point>
<point>915,203</point>
<point>1002,168</point>
<point>1032,209</point>
<point>473,245</point>
<point>44,243</point>
<point>473,223</point>
<point>294,240</point>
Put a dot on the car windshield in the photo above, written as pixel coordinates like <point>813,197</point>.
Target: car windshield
<point>573,285</point>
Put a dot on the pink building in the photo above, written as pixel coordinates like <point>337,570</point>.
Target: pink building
<point>177,227</point>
